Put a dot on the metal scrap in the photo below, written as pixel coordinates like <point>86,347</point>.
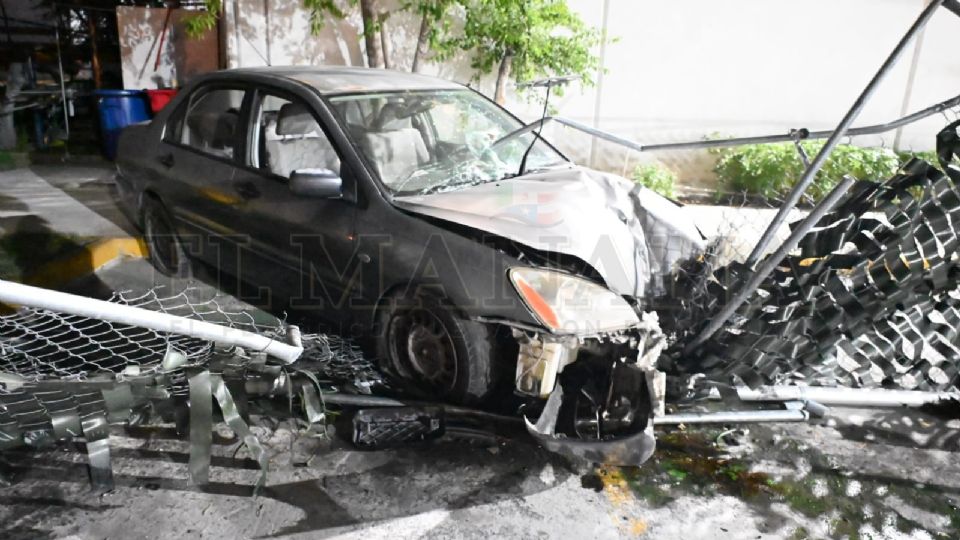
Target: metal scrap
<point>67,377</point>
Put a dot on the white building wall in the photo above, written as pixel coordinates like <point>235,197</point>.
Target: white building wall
<point>680,70</point>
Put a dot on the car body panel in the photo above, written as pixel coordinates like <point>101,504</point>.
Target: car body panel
<point>602,219</point>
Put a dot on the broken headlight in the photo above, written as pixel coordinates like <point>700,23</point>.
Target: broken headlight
<point>568,304</point>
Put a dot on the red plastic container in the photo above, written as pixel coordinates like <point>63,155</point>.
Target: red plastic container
<point>160,98</point>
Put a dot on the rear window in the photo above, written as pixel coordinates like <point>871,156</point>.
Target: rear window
<point>210,122</point>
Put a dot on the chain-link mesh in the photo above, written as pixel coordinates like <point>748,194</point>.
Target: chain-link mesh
<point>39,344</point>
<point>65,376</point>
<point>732,228</point>
<point>868,298</point>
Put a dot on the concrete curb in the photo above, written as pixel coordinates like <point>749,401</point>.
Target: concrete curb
<point>85,261</point>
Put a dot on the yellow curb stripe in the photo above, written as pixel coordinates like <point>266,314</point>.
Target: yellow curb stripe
<point>618,492</point>
<point>85,261</point>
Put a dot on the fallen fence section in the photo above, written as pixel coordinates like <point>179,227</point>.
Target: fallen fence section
<point>70,304</point>
<point>869,299</point>
<point>67,375</point>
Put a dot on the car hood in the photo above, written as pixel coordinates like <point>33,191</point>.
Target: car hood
<point>629,234</point>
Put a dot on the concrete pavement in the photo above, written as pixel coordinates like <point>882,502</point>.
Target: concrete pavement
<point>58,224</point>
<point>857,474</point>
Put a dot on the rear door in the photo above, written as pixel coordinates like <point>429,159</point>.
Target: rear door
<point>203,143</point>
<point>299,249</point>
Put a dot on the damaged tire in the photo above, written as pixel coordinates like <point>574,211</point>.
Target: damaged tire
<point>167,253</point>
<point>429,351</point>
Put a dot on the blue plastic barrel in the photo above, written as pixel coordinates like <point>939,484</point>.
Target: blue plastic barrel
<point>118,109</point>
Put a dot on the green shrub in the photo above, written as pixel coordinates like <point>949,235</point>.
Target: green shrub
<point>656,178</point>
<point>930,156</point>
<point>771,170</point>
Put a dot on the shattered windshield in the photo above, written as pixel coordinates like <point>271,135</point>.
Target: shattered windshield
<point>439,140</point>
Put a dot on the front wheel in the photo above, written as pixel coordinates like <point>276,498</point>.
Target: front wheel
<point>431,352</point>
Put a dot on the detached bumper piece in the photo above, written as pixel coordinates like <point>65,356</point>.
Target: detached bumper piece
<point>601,412</point>
<point>388,427</point>
<point>631,448</point>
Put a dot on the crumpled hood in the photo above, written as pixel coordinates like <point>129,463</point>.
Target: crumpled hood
<point>629,234</point>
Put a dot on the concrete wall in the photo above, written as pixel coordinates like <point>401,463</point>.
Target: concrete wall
<point>679,70</point>
<point>180,57</point>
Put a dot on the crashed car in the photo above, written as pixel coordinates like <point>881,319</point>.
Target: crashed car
<point>417,211</point>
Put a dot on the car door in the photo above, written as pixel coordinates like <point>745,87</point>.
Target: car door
<point>299,248</point>
<point>197,161</point>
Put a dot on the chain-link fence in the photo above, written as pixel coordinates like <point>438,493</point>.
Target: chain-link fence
<point>69,377</point>
<point>868,298</point>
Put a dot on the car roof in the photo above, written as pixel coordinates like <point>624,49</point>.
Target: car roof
<point>342,79</point>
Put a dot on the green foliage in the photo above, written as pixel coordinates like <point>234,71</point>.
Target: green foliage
<point>542,37</point>
<point>198,23</point>
<point>320,11</point>
<point>771,170</point>
<point>929,156</point>
<point>656,178</point>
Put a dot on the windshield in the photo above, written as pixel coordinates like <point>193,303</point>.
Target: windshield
<point>439,140</point>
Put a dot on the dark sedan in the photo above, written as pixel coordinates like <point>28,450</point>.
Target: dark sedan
<point>418,212</point>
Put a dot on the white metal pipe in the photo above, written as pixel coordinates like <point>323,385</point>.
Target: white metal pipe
<point>733,417</point>
<point>598,99</point>
<point>849,397</point>
<point>36,297</point>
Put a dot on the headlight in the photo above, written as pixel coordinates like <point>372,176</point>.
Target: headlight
<point>571,305</point>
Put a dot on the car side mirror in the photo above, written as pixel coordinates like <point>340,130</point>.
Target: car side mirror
<point>319,183</point>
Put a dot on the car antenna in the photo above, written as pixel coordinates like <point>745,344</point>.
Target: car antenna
<point>547,83</point>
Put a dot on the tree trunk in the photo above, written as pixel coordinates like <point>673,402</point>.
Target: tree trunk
<point>503,75</point>
<point>421,49</point>
<point>368,10</point>
<point>95,54</point>
<point>385,41</point>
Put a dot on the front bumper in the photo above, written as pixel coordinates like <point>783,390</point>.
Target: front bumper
<point>602,392</point>
<point>629,449</point>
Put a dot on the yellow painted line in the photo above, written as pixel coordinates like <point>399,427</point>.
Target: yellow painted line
<point>618,492</point>
<point>85,261</point>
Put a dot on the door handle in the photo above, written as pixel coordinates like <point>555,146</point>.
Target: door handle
<point>247,190</point>
<point>166,160</point>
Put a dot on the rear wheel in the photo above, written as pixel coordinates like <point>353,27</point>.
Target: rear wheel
<point>435,354</point>
<point>166,250</point>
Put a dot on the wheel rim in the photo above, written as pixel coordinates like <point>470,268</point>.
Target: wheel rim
<point>163,244</point>
<point>422,350</point>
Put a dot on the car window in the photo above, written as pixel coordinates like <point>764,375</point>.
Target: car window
<point>173,129</point>
<point>212,121</point>
<point>287,138</point>
<point>454,123</point>
<point>439,140</point>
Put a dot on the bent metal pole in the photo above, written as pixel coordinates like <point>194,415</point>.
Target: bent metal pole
<point>852,114</point>
<point>39,298</point>
<point>765,268</point>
